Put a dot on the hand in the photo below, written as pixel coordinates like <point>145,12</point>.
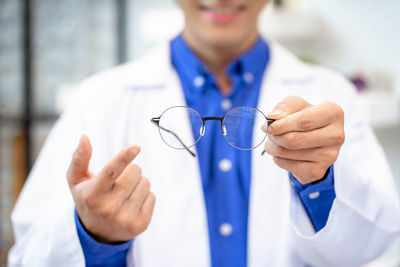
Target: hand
<point>305,139</point>
<point>116,204</point>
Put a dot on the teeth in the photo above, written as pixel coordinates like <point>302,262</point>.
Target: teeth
<point>223,10</point>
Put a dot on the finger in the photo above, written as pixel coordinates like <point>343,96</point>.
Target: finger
<point>304,171</point>
<point>308,119</point>
<point>287,106</point>
<point>264,127</point>
<point>78,169</point>
<point>128,180</point>
<point>310,154</point>
<point>326,154</point>
<point>140,193</point>
<point>326,136</point>
<point>106,177</point>
<point>147,207</point>
<point>143,218</point>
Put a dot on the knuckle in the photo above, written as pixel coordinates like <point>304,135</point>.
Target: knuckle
<point>287,99</point>
<point>330,105</point>
<point>282,105</point>
<point>292,141</point>
<point>338,138</point>
<point>89,201</point>
<point>108,211</point>
<point>301,175</point>
<point>291,98</point>
<point>122,220</point>
<point>336,110</point>
<point>109,171</point>
<point>305,124</point>
<point>140,225</point>
<point>268,147</point>
<point>70,177</point>
<point>278,161</point>
<point>273,128</point>
<point>279,151</point>
<point>152,196</point>
<point>330,155</point>
<point>145,183</point>
<point>316,173</point>
<point>339,112</point>
<point>342,137</point>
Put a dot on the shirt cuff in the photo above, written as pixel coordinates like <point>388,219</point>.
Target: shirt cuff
<point>317,198</point>
<point>100,254</point>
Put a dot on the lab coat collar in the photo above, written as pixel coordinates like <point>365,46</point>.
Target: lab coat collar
<point>158,71</point>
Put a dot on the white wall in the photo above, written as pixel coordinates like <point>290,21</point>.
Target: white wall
<point>142,32</point>
<point>368,33</point>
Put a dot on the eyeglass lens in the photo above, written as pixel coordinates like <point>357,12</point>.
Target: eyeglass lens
<point>172,128</point>
<point>237,127</point>
<point>239,124</point>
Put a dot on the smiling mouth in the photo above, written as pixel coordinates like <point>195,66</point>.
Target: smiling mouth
<point>221,13</point>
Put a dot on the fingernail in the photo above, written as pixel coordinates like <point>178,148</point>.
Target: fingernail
<point>133,151</point>
<point>275,113</point>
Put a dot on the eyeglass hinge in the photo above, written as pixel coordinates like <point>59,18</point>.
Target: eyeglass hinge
<point>155,121</point>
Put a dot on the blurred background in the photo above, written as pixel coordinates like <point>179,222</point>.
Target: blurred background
<point>48,46</point>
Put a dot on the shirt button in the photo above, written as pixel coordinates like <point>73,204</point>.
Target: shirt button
<point>248,77</point>
<point>226,104</point>
<point>225,229</point>
<point>198,81</point>
<point>225,165</point>
<point>313,195</point>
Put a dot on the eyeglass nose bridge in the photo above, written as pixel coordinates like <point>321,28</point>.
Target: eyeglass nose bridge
<point>220,119</point>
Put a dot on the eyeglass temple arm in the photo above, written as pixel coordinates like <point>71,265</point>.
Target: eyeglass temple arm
<point>156,121</point>
<point>269,122</point>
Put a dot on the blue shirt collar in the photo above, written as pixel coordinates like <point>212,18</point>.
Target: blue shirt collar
<point>195,73</point>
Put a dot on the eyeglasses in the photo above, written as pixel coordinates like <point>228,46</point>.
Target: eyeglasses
<point>236,126</point>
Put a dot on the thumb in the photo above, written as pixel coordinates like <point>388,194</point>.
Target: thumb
<point>78,170</point>
<point>287,106</point>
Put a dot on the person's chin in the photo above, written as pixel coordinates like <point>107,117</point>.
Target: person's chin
<point>223,39</point>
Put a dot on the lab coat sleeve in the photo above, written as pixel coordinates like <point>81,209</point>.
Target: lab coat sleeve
<point>365,215</point>
<point>43,218</point>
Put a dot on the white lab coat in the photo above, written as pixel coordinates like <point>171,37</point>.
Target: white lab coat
<point>114,109</point>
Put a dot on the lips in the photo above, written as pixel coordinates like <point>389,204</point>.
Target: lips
<point>222,13</point>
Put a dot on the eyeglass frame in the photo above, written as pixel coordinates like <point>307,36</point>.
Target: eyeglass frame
<point>156,121</point>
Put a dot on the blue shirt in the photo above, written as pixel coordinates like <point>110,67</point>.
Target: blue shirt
<point>225,171</point>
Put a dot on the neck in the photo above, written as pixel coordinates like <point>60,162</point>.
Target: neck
<point>217,57</point>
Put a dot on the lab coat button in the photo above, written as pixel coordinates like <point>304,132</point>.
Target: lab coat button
<point>248,77</point>
<point>225,165</point>
<point>313,195</point>
<point>225,229</point>
<point>226,104</point>
<point>198,81</point>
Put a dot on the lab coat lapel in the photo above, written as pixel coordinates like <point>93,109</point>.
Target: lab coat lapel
<point>270,188</point>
